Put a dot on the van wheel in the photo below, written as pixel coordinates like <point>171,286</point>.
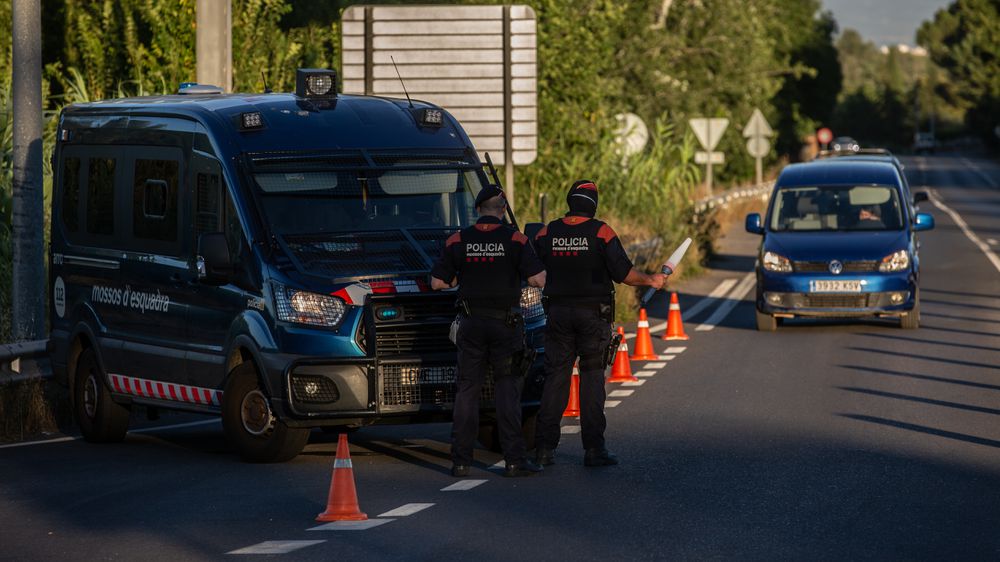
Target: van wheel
<point>766,322</point>
<point>912,319</point>
<point>250,424</point>
<point>101,419</point>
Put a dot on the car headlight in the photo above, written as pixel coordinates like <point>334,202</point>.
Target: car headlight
<point>531,304</point>
<point>896,261</point>
<point>303,307</point>
<point>775,262</point>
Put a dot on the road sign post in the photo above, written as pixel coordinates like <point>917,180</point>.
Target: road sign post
<point>213,43</point>
<point>757,132</point>
<point>709,133</point>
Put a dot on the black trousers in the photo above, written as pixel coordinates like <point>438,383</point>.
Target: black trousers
<point>486,342</point>
<point>572,332</point>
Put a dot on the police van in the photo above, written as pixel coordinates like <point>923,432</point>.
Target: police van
<point>263,257</point>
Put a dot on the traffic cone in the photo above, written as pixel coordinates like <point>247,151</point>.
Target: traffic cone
<point>643,341</point>
<point>342,503</point>
<point>621,370</point>
<point>675,326</point>
<point>573,405</point>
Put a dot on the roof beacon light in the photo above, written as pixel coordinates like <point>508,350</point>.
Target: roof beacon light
<point>316,83</point>
<point>196,89</point>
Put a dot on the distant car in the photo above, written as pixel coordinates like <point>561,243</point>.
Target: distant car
<point>880,155</point>
<point>845,143</point>
<point>924,142</point>
<point>838,241</point>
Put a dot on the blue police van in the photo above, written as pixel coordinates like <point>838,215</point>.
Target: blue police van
<point>263,257</point>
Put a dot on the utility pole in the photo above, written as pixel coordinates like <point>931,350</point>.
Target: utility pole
<point>214,43</point>
<point>29,288</point>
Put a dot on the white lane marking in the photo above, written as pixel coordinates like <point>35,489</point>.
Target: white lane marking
<point>463,485</point>
<point>620,393</point>
<point>499,465</point>
<point>992,241</point>
<point>351,525</point>
<point>175,426</point>
<point>729,304</point>
<point>697,307</point>
<point>990,255</point>
<point>274,547</point>
<point>645,373</point>
<point>405,510</point>
<point>569,429</point>
<point>975,169</point>
<point>639,382</point>
<point>42,442</point>
<point>143,430</point>
<point>612,403</point>
<point>674,350</point>
<point>655,365</point>
<point>668,357</point>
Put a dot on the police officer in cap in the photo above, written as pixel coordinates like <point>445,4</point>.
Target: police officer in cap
<point>488,261</point>
<point>583,257</point>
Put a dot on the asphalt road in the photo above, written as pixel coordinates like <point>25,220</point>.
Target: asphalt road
<point>826,440</point>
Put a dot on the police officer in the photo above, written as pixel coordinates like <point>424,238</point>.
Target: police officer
<point>488,260</point>
<point>582,257</point>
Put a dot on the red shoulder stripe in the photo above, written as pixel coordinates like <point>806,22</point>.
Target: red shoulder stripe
<point>606,233</point>
<point>453,239</point>
<point>542,232</point>
<point>520,238</point>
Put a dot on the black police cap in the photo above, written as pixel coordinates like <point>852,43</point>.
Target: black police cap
<point>487,193</point>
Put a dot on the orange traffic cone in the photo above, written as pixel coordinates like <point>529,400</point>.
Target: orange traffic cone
<point>342,504</point>
<point>573,405</point>
<point>643,341</point>
<point>621,370</point>
<point>675,327</point>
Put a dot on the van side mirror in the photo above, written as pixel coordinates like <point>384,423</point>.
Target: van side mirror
<point>215,264</point>
<point>919,196</point>
<point>924,221</point>
<point>753,224</point>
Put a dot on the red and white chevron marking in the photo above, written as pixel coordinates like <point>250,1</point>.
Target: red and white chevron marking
<point>165,390</point>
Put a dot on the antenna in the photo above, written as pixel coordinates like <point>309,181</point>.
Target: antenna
<point>401,83</point>
<point>267,89</point>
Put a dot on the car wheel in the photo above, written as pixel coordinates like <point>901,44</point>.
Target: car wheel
<point>250,424</point>
<point>912,319</point>
<point>101,419</point>
<point>766,322</point>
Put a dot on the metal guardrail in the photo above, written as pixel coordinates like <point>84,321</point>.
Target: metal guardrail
<point>24,361</point>
<point>763,190</point>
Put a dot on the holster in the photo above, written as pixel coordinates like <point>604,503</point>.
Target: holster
<point>612,349</point>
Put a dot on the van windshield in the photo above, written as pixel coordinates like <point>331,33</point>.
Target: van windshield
<point>342,201</point>
<point>837,208</point>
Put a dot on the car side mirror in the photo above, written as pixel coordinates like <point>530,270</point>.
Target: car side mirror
<point>919,196</point>
<point>215,264</point>
<point>753,224</point>
<point>924,221</point>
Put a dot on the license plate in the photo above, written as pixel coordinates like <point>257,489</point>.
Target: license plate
<point>834,286</point>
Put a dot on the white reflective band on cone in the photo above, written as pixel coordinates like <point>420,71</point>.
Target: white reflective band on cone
<point>674,306</point>
<point>643,323</point>
<point>342,463</point>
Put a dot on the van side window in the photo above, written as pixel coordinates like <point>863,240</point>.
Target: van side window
<point>206,210</point>
<point>71,194</point>
<point>101,196</point>
<point>154,200</point>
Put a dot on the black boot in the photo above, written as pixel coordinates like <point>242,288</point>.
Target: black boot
<point>544,456</point>
<point>525,467</point>
<point>599,457</point>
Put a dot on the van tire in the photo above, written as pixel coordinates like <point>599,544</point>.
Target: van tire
<point>257,435</point>
<point>766,322</point>
<point>912,319</point>
<point>101,419</point>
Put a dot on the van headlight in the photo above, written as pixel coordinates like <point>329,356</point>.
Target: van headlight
<point>531,304</point>
<point>896,261</point>
<point>303,307</point>
<point>776,262</point>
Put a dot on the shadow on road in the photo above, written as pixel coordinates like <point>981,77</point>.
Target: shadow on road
<point>931,342</point>
<point>920,399</point>
<point>927,358</point>
<point>924,429</point>
<point>916,376</point>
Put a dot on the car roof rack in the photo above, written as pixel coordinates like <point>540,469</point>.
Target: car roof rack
<point>861,152</point>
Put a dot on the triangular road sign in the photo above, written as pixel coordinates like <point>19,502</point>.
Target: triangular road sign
<point>757,126</point>
<point>708,131</point>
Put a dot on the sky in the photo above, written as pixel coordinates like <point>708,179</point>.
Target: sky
<point>884,22</point>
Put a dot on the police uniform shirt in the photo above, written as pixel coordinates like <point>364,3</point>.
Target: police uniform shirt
<point>490,259</point>
<point>582,257</point>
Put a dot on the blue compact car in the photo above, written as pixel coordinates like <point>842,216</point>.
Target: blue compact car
<point>839,240</point>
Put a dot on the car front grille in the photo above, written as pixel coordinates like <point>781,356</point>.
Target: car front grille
<point>853,266</point>
<point>414,384</point>
<point>836,301</point>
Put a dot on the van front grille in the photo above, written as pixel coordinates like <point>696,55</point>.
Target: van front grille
<point>417,384</point>
<point>853,266</point>
<point>421,329</point>
<point>836,301</point>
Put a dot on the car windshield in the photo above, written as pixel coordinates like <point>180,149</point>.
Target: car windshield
<point>837,208</point>
<point>303,201</point>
